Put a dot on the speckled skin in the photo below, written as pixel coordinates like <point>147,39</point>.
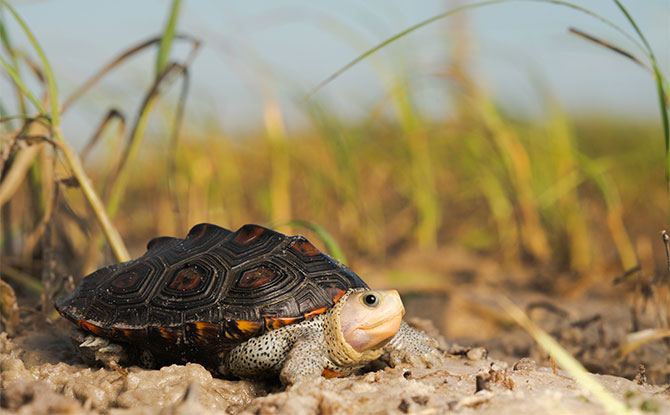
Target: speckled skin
<point>266,355</point>
<point>315,346</point>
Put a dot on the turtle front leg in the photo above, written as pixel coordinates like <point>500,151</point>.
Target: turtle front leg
<point>306,360</point>
<point>412,346</point>
<point>97,349</point>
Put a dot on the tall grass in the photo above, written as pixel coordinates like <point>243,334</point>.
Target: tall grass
<point>380,201</point>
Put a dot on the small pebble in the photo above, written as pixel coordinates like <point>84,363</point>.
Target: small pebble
<point>525,364</point>
<point>404,406</point>
<point>482,382</point>
<point>421,400</point>
<point>477,353</point>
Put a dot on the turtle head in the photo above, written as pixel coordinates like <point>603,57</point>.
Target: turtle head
<point>370,318</point>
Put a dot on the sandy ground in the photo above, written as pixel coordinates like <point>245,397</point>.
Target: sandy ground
<point>40,374</point>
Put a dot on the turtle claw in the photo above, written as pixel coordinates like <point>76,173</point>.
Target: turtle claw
<point>429,359</point>
<point>111,354</point>
<point>111,348</point>
<point>413,347</point>
<point>97,349</point>
<point>87,341</point>
<point>94,342</point>
<point>432,359</point>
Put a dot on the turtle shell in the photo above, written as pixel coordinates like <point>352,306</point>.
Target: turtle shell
<point>209,291</point>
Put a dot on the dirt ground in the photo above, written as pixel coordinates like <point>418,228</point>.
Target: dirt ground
<point>40,374</point>
<point>501,371</point>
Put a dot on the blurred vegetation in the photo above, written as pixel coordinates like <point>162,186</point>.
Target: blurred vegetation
<point>574,194</point>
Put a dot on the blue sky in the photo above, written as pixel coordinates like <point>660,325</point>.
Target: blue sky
<point>515,50</point>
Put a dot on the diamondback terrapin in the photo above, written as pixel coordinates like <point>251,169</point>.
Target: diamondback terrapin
<point>252,303</point>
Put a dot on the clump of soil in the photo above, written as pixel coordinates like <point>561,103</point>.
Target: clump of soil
<point>39,374</point>
<point>56,388</point>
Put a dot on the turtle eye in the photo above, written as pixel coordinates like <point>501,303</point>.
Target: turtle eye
<point>370,299</point>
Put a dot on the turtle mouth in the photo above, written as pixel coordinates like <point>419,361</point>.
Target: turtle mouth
<point>383,321</point>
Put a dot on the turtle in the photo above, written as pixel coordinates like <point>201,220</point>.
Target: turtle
<point>248,304</point>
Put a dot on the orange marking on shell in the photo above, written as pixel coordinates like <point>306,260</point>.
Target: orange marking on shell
<point>203,325</point>
<point>241,329</point>
<point>248,327</point>
<point>202,331</point>
<point>168,333</point>
<point>327,373</point>
<point>90,327</point>
<point>315,312</point>
<point>133,334</point>
<point>247,234</point>
<point>304,247</point>
<point>272,323</point>
<point>172,335</point>
<point>128,334</point>
<point>338,294</point>
<point>230,336</point>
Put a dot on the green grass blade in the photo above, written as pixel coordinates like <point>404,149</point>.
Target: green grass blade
<point>17,80</point>
<point>22,278</point>
<point>168,37</point>
<point>661,82</point>
<point>7,43</point>
<point>458,10</point>
<point>4,36</point>
<point>330,243</point>
<point>666,126</point>
<point>4,118</point>
<point>51,80</point>
<point>119,177</point>
<point>632,22</point>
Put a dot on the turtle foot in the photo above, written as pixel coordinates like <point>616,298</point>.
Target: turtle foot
<point>414,347</point>
<point>97,349</point>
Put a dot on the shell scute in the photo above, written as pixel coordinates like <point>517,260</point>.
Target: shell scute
<point>304,247</point>
<point>257,277</point>
<point>248,234</point>
<point>187,279</point>
<point>161,242</point>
